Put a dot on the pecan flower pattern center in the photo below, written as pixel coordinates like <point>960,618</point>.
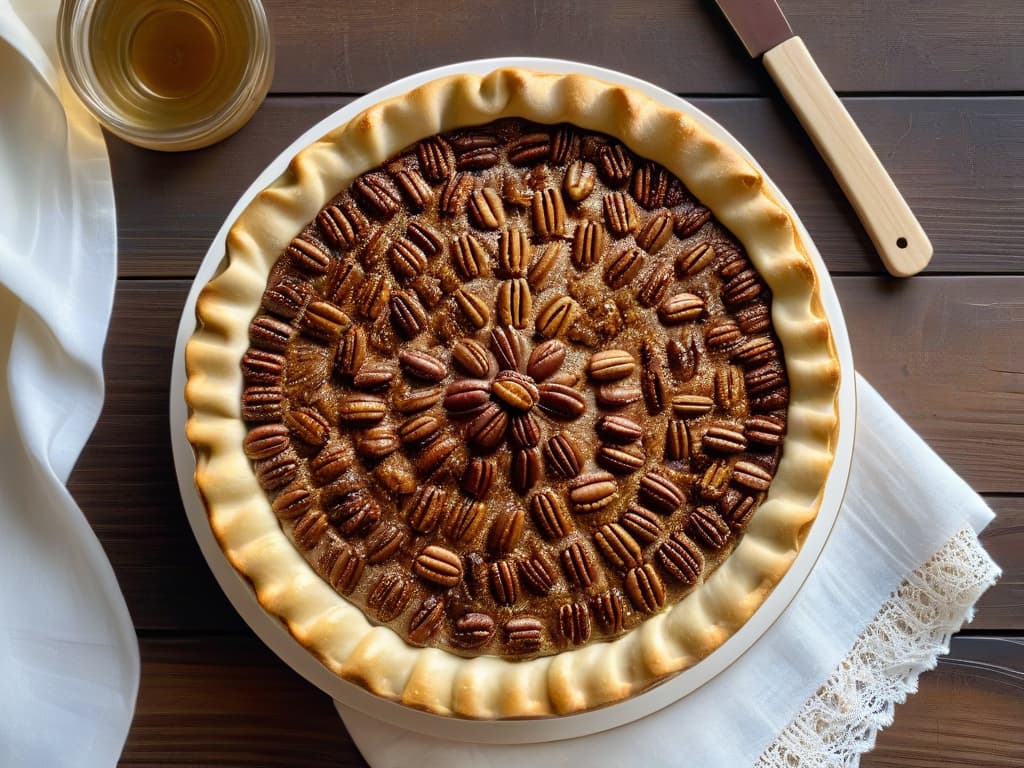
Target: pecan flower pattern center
<point>511,403</point>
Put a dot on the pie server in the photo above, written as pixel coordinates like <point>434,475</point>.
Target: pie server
<point>892,226</point>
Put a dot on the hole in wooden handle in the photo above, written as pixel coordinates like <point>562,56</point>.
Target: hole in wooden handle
<point>901,242</point>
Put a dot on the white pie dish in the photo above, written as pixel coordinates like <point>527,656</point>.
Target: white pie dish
<point>275,634</point>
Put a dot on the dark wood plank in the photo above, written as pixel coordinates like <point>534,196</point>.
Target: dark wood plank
<point>125,482</point>
<point>956,160</point>
<point>683,45</point>
<point>946,353</point>
<point>1002,607</point>
<point>229,701</point>
<point>967,712</point>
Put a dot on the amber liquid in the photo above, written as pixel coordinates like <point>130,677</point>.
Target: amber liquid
<point>165,64</point>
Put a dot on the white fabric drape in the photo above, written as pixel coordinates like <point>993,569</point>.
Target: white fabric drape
<point>69,663</point>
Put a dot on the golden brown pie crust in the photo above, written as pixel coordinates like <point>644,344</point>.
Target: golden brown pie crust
<point>572,680</point>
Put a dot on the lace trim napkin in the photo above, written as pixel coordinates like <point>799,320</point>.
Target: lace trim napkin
<point>898,576</point>
<point>841,721</point>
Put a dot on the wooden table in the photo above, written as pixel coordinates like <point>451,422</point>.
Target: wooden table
<point>936,88</point>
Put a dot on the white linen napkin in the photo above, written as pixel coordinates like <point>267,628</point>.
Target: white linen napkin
<point>900,573</point>
<point>69,661</point>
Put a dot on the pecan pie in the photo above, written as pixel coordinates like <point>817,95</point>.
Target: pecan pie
<point>500,370</point>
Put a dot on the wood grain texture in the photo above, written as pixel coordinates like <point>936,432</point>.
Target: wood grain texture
<point>1002,607</point>
<point>682,45</point>
<point>946,353</point>
<point>227,701</point>
<point>956,161</point>
<point>968,712</point>
<point>939,350</point>
<point>125,482</point>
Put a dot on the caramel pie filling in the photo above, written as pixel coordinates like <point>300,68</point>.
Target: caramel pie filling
<point>514,391</point>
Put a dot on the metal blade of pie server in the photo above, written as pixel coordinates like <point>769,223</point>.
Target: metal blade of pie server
<point>760,24</point>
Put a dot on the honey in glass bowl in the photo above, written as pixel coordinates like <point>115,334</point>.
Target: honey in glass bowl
<point>167,74</point>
